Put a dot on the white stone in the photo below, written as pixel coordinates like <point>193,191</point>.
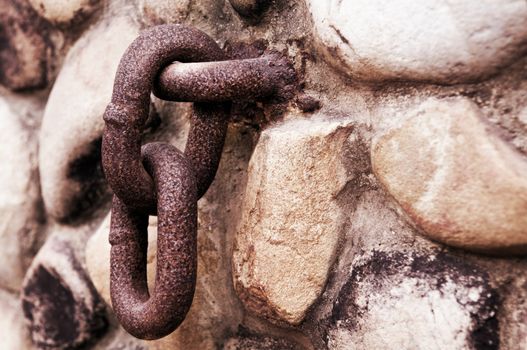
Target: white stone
<point>410,301</point>
<point>429,40</point>
<point>19,196</point>
<point>460,183</point>
<point>73,124</point>
<point>291,221</point>
<point>63,11</point>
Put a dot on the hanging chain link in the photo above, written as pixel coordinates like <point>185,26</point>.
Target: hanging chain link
<point>157,178</point>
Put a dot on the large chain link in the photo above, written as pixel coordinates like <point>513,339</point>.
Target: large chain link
<point>158,179</point>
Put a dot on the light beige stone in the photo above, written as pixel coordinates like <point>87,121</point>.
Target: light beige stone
<point>459,182</point>
<point>13,334</point>
<point>19,197</point>
<point>291,222</point>
<point>72,125</point>
<point>427,40</point>
<point>63,11</point>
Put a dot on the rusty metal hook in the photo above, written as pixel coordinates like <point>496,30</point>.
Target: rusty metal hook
<point>158,178</point>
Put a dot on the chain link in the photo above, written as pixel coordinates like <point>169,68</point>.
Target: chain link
<point>158,179</point>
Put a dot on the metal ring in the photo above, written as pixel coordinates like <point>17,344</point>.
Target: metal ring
<point>144,315</point>
<point>126,115</point>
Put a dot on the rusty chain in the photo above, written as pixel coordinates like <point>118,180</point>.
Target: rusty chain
<point>157,178</point>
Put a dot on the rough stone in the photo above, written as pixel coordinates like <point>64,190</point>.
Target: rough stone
<point>20,215</point>
<point>291,222</point>
<point>70,138</point>
<point>402,300</point>
<point>432,40</point>
<point>60,304</point>
<point>164,11</point>
<point>25,47</point>
<point>61,11</point>
<point>13,332</point>
<point>246,340</point>
<point>460,183</point>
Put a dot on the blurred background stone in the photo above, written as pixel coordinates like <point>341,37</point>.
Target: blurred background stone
<point>61,306</point>
<point>432,40</point>
<point>457,180</point>
<point>13,333</point>
<point>65,12</point>
<point>25,46</point>
<point>71,133</point>
<point>20,210</point>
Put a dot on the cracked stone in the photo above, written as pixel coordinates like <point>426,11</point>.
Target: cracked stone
<point>459,182</point>
<point>291,222</point>
<point>432,40</point>
<point>70,169</point>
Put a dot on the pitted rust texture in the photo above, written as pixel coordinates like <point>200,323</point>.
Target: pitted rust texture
<point>152,316</point>
<point>163,181</point>
<point>126,115</point>
<point>234,80</point>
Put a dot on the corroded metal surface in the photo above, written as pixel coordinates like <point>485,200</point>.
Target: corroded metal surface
<point>144,315</point>
<point>233,80</point>
<point>162,180</point>
<point>126,115</point>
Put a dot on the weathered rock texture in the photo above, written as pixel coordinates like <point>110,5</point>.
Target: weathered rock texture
<point>354,216</point>
<point>13,333</point>
<point>409,301</point>
<point>431,40</point>
<point>290,222</point>
<point>455,178</point>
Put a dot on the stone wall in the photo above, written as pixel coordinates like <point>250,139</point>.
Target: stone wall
<point>383,207</point>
